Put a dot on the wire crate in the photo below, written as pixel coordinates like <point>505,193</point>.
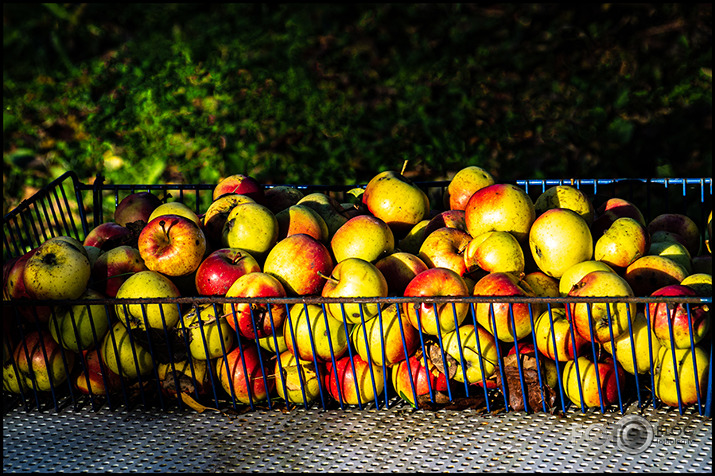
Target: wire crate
<point>439,370</point>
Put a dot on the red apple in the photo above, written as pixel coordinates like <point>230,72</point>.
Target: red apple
<point>14,289</point>
<point>253,320</point>
<point>42,363</point>
<point>113,267</point>
<point>301,263</point>
<point>449,219</point>
<point>463,185</point>
<point>221,269</point>
<point>610,211</point>
<point>108,235</point>
<point>444,248</point>
<point>301,219</point>
<point>96,378</point>
<point>172,245</point>
<point>241,184</point>
<point>555,337</point>
<point>443,317</point>
<point>412,378</point>
<point>681,225</point>
<point>399,269</point>
<point>241,375</point>
<point>663,315</point>
<point>353,381</point>
<point>136,207</point>
<point>500,207</point>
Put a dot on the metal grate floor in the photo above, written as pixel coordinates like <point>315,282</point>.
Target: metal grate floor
<point>395,440</point>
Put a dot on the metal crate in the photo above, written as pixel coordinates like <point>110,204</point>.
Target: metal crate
<point>68,207</point>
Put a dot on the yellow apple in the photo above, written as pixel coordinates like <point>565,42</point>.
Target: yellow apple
<point>251,227</point>
<point>59,269</point>
<point>400,338</point>
<point>478,360</point>
<point>463,185</point>
<point>354,278</point>
<point>559,239</point>
<point>297,381</point>
<point>646,347</point>
<point>148,284</point>
<point>574,274</point>
<point>685,388</point>
<point>622,243</point>
<point>175,208</point>
<point>123,355</point>
<point>701,283</point>
<point>396,200</point>
<point>365,237</point>
<point>565,196</point>
<point>494,251</point>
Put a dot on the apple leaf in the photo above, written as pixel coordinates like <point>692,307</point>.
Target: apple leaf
<point>356,192</point>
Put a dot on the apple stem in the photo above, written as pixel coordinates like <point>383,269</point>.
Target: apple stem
<point>404,167</point>
<point>162,223</point>
<point>327,277</point>
<point>238,258</point>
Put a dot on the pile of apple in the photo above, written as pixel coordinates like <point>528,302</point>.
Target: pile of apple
<point>255,249</point>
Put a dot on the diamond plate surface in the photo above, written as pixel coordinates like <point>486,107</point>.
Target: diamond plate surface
<point>352,440</point>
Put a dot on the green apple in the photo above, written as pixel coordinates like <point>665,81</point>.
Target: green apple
<point>354,278</point>
<point>396,200</point>
<point>312,334</point>
<point>80,326</point>
<point>148,284</point>
<point>297,381</point>
<point>642,343</point>
<point>478,361</point>
<point>215,217</point>
<point>667,387</point>
<point>59,269</point>
<point>674,251</point>
<point>565,196</point>
<point>207,331</point>
<point>364,236</point>
<point>123,355</point>
<point>622,243</point>
<point>251,227</point>
<point>559,239</point>
<point>399,337</point>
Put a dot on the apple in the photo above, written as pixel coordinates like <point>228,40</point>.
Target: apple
<point>500,207</point>
<point>354,278</point>
<point>172,245</point>
<point>328,208</point>
<point>701,283</point>
<point>662,235</point>
<point>364,236</point>
<point>592,384</point>
<point>613,209</point>
<point>136,207</point>
<point>113,267</point>
<point>555,337</point>
<point>280,197</point>
<point>221,269</point>
<point>559,239</point>
<point>413,240</point>
<point>216,215</point>
<point>96,378</point>
<point>148,284</point>
<point>241,184</point>
<point>644,342</point>
<point>175,208</point>
<point>679,224</point>
<point>622,243</point>
<point>42,364</point>
<point>444,248</point>
<point>353,381</point>
<point>605,320</point>
<point>241,373</point>
<point>297,381</point>
<point>495,251</point>
<point>575,273</point>
<point>413,379</point>
<point>207,331</point>
<point>108,235</point>
<point>674,251</point>
<point>686,384</point>
<point>300,263</point>
<point>663,316</point>
<point>650,272</point>
<point>463,185</point>
<point>301,219</point>
<point>399,268</point>
<point>253,320</point>
<point>12,380</point>
<point>566,196</point>
<point>14,289</point>
<point>542,284</point>
<point>449,219</point>
<point>502,327</point>
<point>276,344</point>
<point>80,326</point>
<point>435,318</point>
<point>92,254</point>
<point>59,269</point>
<point>251,227</point>
<point>386,339</point>
<point>477,360</point>
<point>396,200</point>
<point>313,335</point>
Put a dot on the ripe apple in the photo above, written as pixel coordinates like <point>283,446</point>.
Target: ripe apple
<point>681,225</point>
<point>576,272</point>
<point>113,267</point>
<point>175,208</point>
<point>216,215</point>
<point>222,268</point>
<point>353,381</point>
<point>80,326</point>
<point>297,381</point>
<point>311,334</point>
<point>276,344</point>
<point>650,272</point>
<point>412,379</point>
<point>603,319</point>
<point>500,207</point>
<point>593,384</point>
<point>251,227</point>
<point>495,251</point>
<point>399,268</point>
<point>449,219</point>
<point>12,380</point>
<point>396,200</point>
<point>172,245</point>
<point>622,243</point>
<point>108,235</point>
<point>253,320</point>
<point>280,197</point>
<point>399,337</point>
<point>610,211</point>
<point>559,239</point>
<point>148,284</point>
<point>477,360</point>
<point>646,347</point>
<point>542,284</point>
<point>555,337</point>
<point>674,251</point>
<point>701,283</point>
<point>463,185</point>
<point>505,284</point>
<point>683,388</point>
<point>328,208</point>
<point>433,318</point>
<point>364,236</point>
<point>42,364</point>
<point>664,315</point>
<point>59,269</point>
<point>136,207</point>
<point>444,248</point>
<point>241,375</point>
<point>566,196</point>
<point>14,289</point>
<point>413,240</point>
<point>301,219</point>
<point>241,184</point>
<point>300,262</point>
<point>207,331</point>
<point>123,355</point>
<point>354,278</point>
<point>96,378</point>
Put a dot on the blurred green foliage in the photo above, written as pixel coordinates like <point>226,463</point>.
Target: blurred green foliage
<point>333,94</point>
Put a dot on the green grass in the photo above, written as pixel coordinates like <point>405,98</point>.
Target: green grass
<point>334,94</point>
